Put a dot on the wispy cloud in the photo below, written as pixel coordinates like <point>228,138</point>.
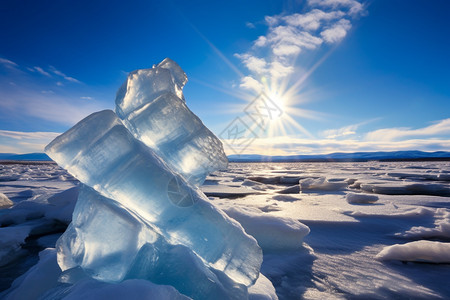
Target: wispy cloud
<point>438,128</point>
<point>59,73</point>
<point>49,106</point>
<point>41,71</point>
<point>7,63</point>
<point>343,131</point>
<point>21,135</point>
<point>354,7</point>
<point>346,130</point>
<point>295,146</point>
<point>24,142</point>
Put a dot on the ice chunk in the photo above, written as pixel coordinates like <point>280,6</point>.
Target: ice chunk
<point>151,107</point>
<point>143,86</point>
<point>361,198</point>
<point>418,251</point>
<point>103,238</point>
<point>112,244</point>
<point>102,153</point>
<point>395,188</point>
<point>4,201</point>
<point>321,184</point>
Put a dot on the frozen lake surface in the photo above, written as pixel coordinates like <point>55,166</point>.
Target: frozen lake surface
<point>356,213</point>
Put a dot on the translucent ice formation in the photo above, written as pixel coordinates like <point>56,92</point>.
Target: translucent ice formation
<point>152,107</point>
<point>113,244</point>
<point>103,154</point>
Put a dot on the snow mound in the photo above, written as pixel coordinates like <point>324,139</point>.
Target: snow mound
<point>361,198</point>
<point>262,290</point>
<point>4,201</point>
<point>321,184</point>
<point>418,251</point>
<point>441,229</point>
<point>272,233</point>
<point>412,213</point>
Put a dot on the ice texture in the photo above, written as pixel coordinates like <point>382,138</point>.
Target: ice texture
<point>152,107</point>
<point>104,155</point>
<point>127,247</point>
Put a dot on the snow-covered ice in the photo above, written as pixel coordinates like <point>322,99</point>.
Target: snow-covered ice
<point>361,198</point>
<point>339,258</point>
<point>418,251</point>
<point>272,233</point>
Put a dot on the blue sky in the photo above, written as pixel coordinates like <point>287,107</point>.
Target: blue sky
<point>351,75</point>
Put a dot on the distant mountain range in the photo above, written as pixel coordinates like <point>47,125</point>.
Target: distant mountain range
<point>356,156</point>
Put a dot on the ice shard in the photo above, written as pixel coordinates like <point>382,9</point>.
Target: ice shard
<point>102,153</point>
<point>152,107</point>
<point>111,244</point>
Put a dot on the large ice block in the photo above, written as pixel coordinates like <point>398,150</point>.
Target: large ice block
<point>152,107</point>
<point>103,154</point>
<point>112,244</point>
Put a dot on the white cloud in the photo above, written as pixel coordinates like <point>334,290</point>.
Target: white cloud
<point>86,98</point>
<point>24,142</point>
<point>47,92</point>
<point>279,70</point>
<point>354,7</point>
<point>439,128</point>
<point>337,32</point>
<point>313,19</point>
<point>20,135</point>
<point>435,137</point>
<point>254,64</point>
<point>251,84</point>
<point>261,41</point>
<point>250,25</point>
<point>344,131</point>
<point>7,63</point>
<point>41,71</point>
<point>290,35</point>
<point>271,20</point>
<point>59,73</point>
